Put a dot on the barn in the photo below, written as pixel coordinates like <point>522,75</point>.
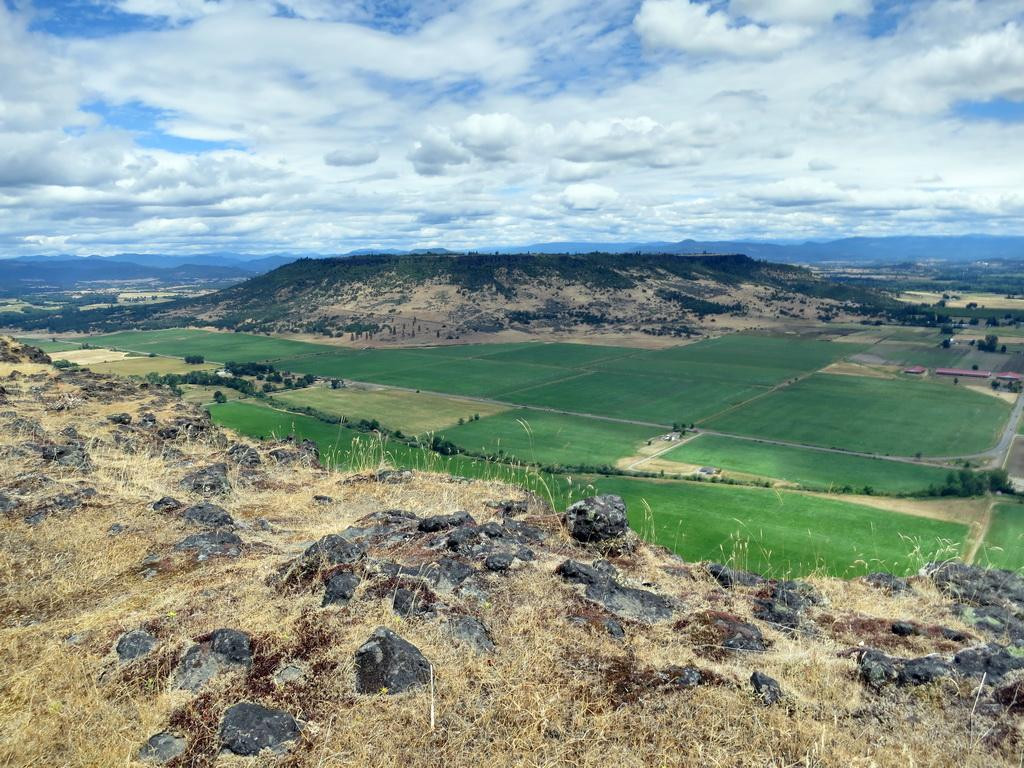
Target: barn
<point>963,373</point>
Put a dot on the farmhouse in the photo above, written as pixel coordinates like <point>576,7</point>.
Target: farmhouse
<point>917,370</point>
<point>1009,376</point>
<point>963,372</point>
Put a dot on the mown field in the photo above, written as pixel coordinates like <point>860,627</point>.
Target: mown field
<point>1004,542</point>
<point>889,417</point>
<point>216,347</point>
<point>782,533</point>
<point>411,412</point>
<point>140,366</point>
<point>550,438</point>
<point>815,470</point>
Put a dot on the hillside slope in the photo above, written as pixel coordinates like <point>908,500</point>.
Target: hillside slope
<point>175,595</point>
<point>431,296</point>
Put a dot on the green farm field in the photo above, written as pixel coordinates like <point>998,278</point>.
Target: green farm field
<point>858,413</point>
<point>1003,546</point>
<point>140,366</point>
<point>550,438</point>
<point>216,347</point>
<point>780,533</point>
<point>808,468</point>
<point>413,413</point>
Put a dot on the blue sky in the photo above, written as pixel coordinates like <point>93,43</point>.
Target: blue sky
<point>328,125</point>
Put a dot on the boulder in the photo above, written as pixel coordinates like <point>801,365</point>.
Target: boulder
<point>471,632</point>
<point>333,549</point>
<point>208,480</point>
<point>766,688</point>
<point>386,663</point>
<point>923,670</point>
<point>247,729</point>
<point>443,522</point>
<point>134,644</point>
<point>244,455</point>
<point>597,519</point>
<point>225,650</point>
<point>734,634</point>
<point>887,583</point>
<point>410,604</point>
<point>499,561</point>
<point>120,418</point>
<point>218,543</point>
<point>877,669</point>
<point>70,455</point>
<point>729,577</point>
<point>161,748</point>
<point>602,587</point>
<point>166,504</point>
<point>340,588</point>
<point>991,661</point>
<point>208,515</point>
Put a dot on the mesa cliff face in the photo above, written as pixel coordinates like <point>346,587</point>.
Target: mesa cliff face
<point>173,595</point>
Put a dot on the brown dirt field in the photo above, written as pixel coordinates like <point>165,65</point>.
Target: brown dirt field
<point>87,356</point>
<point>858,369</point>
<point>1015,459</point>
<point>985,389</point>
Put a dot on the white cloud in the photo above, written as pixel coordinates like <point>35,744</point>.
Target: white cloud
<point>352,156</point>
<point>505,121</point>
<point>798,11</point>
<point>587,196</point>
<point>698,28</point>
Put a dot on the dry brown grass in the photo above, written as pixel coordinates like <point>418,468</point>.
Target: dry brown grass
<point>550,696</point>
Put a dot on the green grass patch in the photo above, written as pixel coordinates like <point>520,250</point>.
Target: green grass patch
<point>1003,546</point>
<point>550,438</point>
<point>895,417</point>
<point>217,347</point>
<point>48,345</point>
<point>815,470</point>
<point>413,413</point>
<point>781,533</point>
<point>656,399</point>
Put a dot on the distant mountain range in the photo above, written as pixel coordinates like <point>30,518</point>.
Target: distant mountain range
<point>852,250</point>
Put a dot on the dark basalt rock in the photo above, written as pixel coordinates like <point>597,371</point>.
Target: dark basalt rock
<point>120,418</point>
<point>684,677</point>
<point>226,649</point>
<point>766,688</point>
<point>7,504</point>
<point>777,613</point>
<point>244,455</point>
<point>1011,697</point>
<point>729,577</point>
<point>923,670</point>
<point>323,500</point>
<point>219,543</point>
<point>446,574</point>
<point>613,628</point>
<point>70,455</point>
<point>443,522</point>
<point>878,670</point>
<point>333,549</point>
<point>471,632</point>
<point>499,561</point>
<point>340,588</point>
<point>134,644</point>
<point>386,663</point>
<point>208,480</point>
<point>209,515</point>
<point>979,586</point>
<point>603,588</point>
<point>991,662</point>
<point>162,747</point>
<point>393,476</point>
<point>410,604</point>
<point>887,582</point>
<point>247,729</point>
<point>904,629</point>
<point>734,634</point>
<point>596,519</point>
<point>166,504</point>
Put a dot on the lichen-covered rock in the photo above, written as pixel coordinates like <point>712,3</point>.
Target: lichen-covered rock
<point>340,588</point>
<point>247,729</point>
<point>766,688</point>
<point>443,522</point>
<point>162,747</point>
<point>597,519</point>
<point>224,650</point>
<point>472,633</point>
<point>166,504</point>
<point>386,663</point>
<point>208,515</point>
<point>602,587</point>
<point>219,543</point>
<point>329,551</point>
<point>209,480</point>
<point>887,582</point>
<point>730,577</point>
<point>134,644</point>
